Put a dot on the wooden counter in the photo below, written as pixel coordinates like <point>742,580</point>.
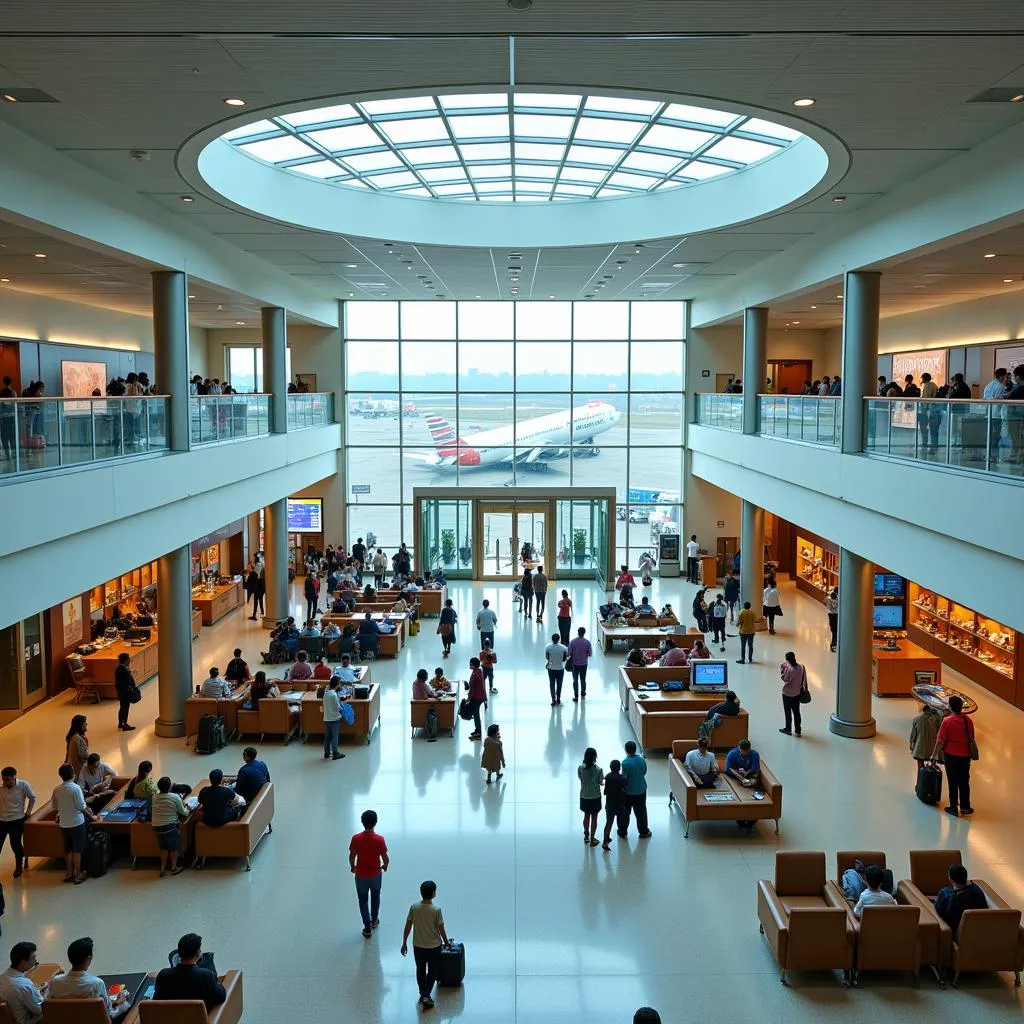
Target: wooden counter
<point>648,636</point>
<point>311,715</point>
<point>142,661</point>
<point>892,672</point>
<point>387,644</point>
<point>708,570</point>
<point>217,603</point>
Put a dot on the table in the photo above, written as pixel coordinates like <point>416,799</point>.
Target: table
<point>134,983</point>
<point>892,672</point>
<point>216,603</point>
<point>937,697</point>
<point>143,662</point>
<point>647,636</point>
<point>311,715</point>
<point>387,644</point>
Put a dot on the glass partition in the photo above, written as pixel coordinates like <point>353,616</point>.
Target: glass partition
<point>311,409</point>
<point>722,411</point>
<point>214,418</point>
<point>804,418</point>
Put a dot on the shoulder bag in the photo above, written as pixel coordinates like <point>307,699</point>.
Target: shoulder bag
<point>971,744</point>
<point>805,694</point>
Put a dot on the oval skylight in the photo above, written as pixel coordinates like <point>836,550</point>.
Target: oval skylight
<point>512,146</point>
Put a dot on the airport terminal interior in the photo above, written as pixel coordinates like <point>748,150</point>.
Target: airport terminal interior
<point>365,315</point>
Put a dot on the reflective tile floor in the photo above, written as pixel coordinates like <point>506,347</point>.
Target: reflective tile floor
<point>554,931</point>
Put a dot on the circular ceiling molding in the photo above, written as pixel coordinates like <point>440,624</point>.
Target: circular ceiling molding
<point>513,166</point>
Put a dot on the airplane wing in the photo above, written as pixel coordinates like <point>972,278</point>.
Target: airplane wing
<point>541,453</point>
<point>429,459</point>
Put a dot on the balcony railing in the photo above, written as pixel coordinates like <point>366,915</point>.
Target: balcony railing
<point>722,411</point>
<point>214,418</point>
<point>39,434</point>
<point>311,409</point>
<point>804,418</point>
<point>986,437</point>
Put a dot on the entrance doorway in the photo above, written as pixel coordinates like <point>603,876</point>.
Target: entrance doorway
<point>788,375</point>
<point>512,537</point>
<point>22,667</point>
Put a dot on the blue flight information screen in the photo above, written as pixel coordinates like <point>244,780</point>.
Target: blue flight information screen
<point>305,515</point>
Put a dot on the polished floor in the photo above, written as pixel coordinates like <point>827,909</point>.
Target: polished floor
<point>554,931</point>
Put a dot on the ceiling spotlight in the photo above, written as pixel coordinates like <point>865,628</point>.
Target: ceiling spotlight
<point>814,307</point>
<point>191,296</point>
<point>9,98</point>
<point>5,280</point>
<point>239,323</point>
<point>220,307</point>
<point>795,322</point>
<point>806,101</point>
<point>1013,99</point>
<point>1007,280</point>
<point>350,294</point>
<point>840,295</point>
<point>839,199</point>
<point>520,5</point>
<point>678,265</point>
<point>476,296</point>
<point>990,255</point>
<point>187,199</point>
<point>234,101</point>
<point>40,255</point>
<point>514,280</point>
<point>351,266</point>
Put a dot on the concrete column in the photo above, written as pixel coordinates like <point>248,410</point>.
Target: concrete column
<point>275,538</point>
<point>275,367</point>
<point>860,353</point>
<point>174,617</point>
<point>853,685</point>
<point>252,534</point>
<point>751,555</point>
<point>170,351</point>
<point>755,363</point>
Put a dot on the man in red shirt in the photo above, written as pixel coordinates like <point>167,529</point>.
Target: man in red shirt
<point>368,857</point>
<point>954,742</point>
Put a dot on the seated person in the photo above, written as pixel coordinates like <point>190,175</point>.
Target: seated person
<point>24,1001</point>
<point>78,983</point>
<point>220,803</point>
<point>853,883</point>
<point>442,685</point>
<point>237,671</point>
<point>645,608</point>
<point>214,686</point>
<point>367,626</point>
<point>301,669</point>
<point>369,594</point>
<point>872,895</point>
<point>345,671</point>
<point>331,631</point>
<point>636,656</point>
<point>310,629</point>
<point>339,605</point>
<point>252,776</point>
<point>421,688</point>
<point>674,656</point>
<point>699,650</point>
<point>260,688</point>
<point>186,980</point>
<point>701,764</point>
<point>730,706</point>
<point>321,670</point>
<point>960,895</point>
<point>439,580</point>
<point>743,763</point>
<point>667,612</point>
<point>399,605</point>
<point>349,643</point>
<point>143,786</point>
<point>96,780</point>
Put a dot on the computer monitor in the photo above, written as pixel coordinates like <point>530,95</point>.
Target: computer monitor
<point>709,673</point>
<point>888,584</point>
<point>888,616</point>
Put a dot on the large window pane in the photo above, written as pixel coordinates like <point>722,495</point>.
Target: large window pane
<point>600,419</point>
<point>242,368</point>
<point>382,523</point>
<point>428,366</point>
<point>543,366</point>
<point>657,366</point>
<point>428,320</point>
<point>428,418</point>
<point>371,365</point>
<point>657,469</point>
<point>486,365</point>
<point>371,320</point>
<point>595,321</point>
<point>601,366</point>
<point>379,470</point>
<point>656,418</point>
<point>541,321</point>
<point>372,418</point>
<point>595,466</point>
<point>486,320</point>
<point>658,320</point>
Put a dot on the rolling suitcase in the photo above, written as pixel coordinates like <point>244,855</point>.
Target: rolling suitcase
<point>212,734</point>
<point>99,853</point>
<point>451,964</point>
<point>929,784</point>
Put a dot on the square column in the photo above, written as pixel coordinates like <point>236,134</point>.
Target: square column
<point>275,367</point>
<point>752,555</point>
<point>275,538</point>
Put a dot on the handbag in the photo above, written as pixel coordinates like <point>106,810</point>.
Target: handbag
<point>971,744</point>
<point>444,629</point>
<point>134,694</point>
<point>805,694</point>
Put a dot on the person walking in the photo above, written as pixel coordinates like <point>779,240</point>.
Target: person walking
<point>634,771</point>
<point>832,608</point>
<point>540,590</point>
<point>794,682</point>
<point>259,591</point>
<point>446,627</point>
<point>732,593</point>
<point>426,923</point>
<point>564,616</point>
<point>17,801</point>
<point>332,719</point>
<point>309,589</point>
<point>924,731</point>
<point>700,610</point>
<point>591,777</point>
<point>580,653</point>
<point>368,859</point>
<point>77,750</point>
<point>487,662</point>
<point>126,688</point>
<point>770,600</point>
<point>692,560</point>
<point>486,620</point>
<point>719,610</point>
<point>746,622</point>
<point>526,593</point>
<point>477,696</point>
<point>554,660</point>
<point>492,757</point>
<point>955,742</point>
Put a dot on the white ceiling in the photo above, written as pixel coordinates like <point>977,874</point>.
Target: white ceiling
<point>148,76</point>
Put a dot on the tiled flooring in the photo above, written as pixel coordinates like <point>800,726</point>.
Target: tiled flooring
<point>554,931</point>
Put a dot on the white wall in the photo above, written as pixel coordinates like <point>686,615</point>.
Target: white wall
<point>40,318</point>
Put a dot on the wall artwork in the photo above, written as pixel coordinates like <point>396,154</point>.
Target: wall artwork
<point>71,616</point>
<point>933,361</point>
<point>81,379</point>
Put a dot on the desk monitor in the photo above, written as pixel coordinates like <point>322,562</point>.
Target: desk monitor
<point>709,673</point>
<point>888,616</point>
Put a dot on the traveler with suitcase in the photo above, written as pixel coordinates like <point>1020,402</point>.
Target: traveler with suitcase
<point>72,814</point>
<point>166,815</point>
<point>429,939</point>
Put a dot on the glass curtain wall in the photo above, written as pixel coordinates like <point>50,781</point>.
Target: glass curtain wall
<point>515,394</point>
<point>243,367</point>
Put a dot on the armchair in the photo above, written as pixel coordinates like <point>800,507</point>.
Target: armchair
<point>928,874</point>
<point>990,939</point>
<point>193,1011</point>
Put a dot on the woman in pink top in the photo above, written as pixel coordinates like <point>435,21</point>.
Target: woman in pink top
<point>794,681</point>
<point>699,650</point>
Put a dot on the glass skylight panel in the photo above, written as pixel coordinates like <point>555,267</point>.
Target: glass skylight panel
<point>536,171</point>
<point>494,186</point>
<point>454,190</point>
<point>479,126</point>
<point>421,155</point>
<point>372,161</point>
<point>319,169</point>
<point>679,140</point>
<point>773,131</point>
<point>540,151</point>
<point>417,191</point>
<point>606,129</point>
<point>547,99</point>
<point>637,181</point>
<point>247,131</point>
<point>403,105</point>
<point>353,136</point>
<point>416,129</point>
<point>442,173</point>
<point>487,151</point>
<point>619,105</point>
<point>570,173</point>
<point>651,162</point>
<point>355,183</point>
<point>286,147</point>
<point>474,100</point>
<point>574,190</point>
<point>701,171</point>
<point>542,126</point>
<point>530,197</point>
<point>699,115</point>
<point>491,170</point>
<point>322,115</point>
<point>609,193</point>
<point>391,180</point>
<point>594,155</point>
<point>742,150</point>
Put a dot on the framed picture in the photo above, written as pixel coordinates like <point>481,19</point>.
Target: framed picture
<point>71,615</point>
<point>309,379</point>
<point>80,380</point>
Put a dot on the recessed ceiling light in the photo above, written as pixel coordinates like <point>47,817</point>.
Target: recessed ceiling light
<point>990,255</point>
<point>795,322</point>
<point>1007,280</point>
<point>806,101</point>
<point>187,199</point>
<point>40,255</point>
<point>1013,99</point>
<point>8,98</point>
<point>677,265</point>
<point>551,296</point>
<point>191,296</point>
<point>234,101</point>
<point>239,323</point>
<point>840,295</point>
<point>476,296</point>
<point>220,307</point>
<point>352,266</point>
<point>5,280</point>
<point>514,280</point>
<point>350,294</point>
<point>839,199</point>
<point>814,307</point>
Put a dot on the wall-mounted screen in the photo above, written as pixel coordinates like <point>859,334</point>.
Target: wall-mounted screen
<point>888,616</point>
<point>888,584</point>
<point>305,515</point>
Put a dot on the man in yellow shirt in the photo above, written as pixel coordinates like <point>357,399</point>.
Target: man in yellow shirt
<point>745,621</point>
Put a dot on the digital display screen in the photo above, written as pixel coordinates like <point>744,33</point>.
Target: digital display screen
<point>708,673</point>
<point>888,616</point>
<point>888,584</point>
<point>305,515</point>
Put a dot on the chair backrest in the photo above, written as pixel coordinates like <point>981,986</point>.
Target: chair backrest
<point>987,940</point>
<point>888,938</point>
<point>173,1011</point>
<point>845,859</point>
<point>76,667</point>
<point>818,938</point>
<point>929,869</point>
<point>75,1011</point>
<point>274,715</point>
<point>800,873</point>
<point>311,644</point>
<point>6,1016</point>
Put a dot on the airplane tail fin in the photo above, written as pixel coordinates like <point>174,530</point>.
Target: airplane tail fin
<point>443,434</point>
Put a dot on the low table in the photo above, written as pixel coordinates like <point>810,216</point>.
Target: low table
<point>134,983</point>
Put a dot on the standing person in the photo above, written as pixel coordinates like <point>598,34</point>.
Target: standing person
<point>486,620</point>
<point>591,776</point>
<point>540,590</point>
<point>955,742</point>
<point>332,719</point>
<point>634,771</point>
<point>251,578</point>
<point>564,616</point>
<point>126,688</point>
<point>359,556</point>
<point>7,420</point>
<point>832,608</point>
<point>487,661</point>
<point>616,808</point>
<point>910,389</point>
<point>554,660</point>
<point>77,744</point>
<point>928,416</point>
<point>167,813</point>
<point>492,757</point>
<point>770,600</point>
<point>309,590</point>
<point>380,566</point>
<point>924,731</point>
<point>16,803</point>
<point>426,924</point>
<point>580,653</point>
<point>794,682</point>
<point>719,610</point>
<point>700,610</point>
<point>692,560</point>
<point>526,593</point>
<point>732,593</point>
<point>72,813</point>
<point>446,627</point>
<point>477,696</point>
<point>746,622</point>
<point>368,859</point>
<point>996,390</point>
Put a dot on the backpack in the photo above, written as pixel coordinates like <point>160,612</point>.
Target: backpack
<point>465,711</point>
<point>431,724</point>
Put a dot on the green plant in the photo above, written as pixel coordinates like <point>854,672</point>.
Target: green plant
<point>448,546</point>
<point>579,541</point>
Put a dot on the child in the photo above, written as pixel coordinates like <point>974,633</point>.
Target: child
<point>614,799</point>
<point>493,756</point>
<point>439,682</point>
<point>487,660</point>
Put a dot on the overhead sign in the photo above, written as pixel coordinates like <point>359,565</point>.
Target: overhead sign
<point>360,488</point>
<point>305,515</point>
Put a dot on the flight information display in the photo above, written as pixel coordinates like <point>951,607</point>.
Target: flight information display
<point>305,515</point>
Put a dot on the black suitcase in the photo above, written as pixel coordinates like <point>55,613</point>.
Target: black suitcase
<point>212,734</point>
<point>99,853</point>
<point>451,964</point>
<point>929,784</point>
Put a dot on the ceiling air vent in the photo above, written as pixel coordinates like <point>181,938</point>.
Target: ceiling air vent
<point>15,94</point>
<point>1000,94</point>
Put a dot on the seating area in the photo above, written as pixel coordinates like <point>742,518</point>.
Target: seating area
<point>447,714</point>
<point>238,839</point>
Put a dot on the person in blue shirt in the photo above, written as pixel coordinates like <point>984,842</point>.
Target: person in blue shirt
<point>251,776</point>
<point>743,763</point>
<point>634,771</point>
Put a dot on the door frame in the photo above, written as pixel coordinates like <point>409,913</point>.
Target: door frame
<point>483,507</point>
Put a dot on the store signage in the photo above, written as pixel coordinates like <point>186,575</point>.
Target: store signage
<point>217,535</point>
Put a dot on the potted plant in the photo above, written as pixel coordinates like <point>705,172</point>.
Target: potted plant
<point>579,546</point>
<point>447,546</point>
<point>465,555</point>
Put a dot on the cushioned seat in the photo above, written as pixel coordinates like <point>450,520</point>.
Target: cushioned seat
<point>82,1011</point>
<point>193,1011</point>
<point>990,939</point>
<point>278,718</point>
<point>239,838</point>
<point>446,716</point>
<point>928,874</point>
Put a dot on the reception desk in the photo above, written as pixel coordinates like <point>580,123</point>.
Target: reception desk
<point>215,604</point>
<point>892,672</point>
<point>646,636</point>
<point>142,660</point>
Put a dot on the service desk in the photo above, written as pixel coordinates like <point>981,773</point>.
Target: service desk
<point>216,603</point>
<point>388,644</point>
<point>142,660</point>
<point>631,675</point>
<point>311,715</point>
<point>892,672</point>
<point>646,636</point>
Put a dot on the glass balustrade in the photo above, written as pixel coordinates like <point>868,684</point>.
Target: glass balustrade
<point>310,409</point>
<point>214,418</point>
<point>722,411</point>
<point>804,418</point>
